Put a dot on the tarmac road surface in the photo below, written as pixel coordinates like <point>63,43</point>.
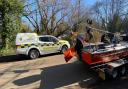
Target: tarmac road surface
<point>51,72</point>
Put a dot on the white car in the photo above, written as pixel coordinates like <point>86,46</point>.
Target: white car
<point>32,45</point>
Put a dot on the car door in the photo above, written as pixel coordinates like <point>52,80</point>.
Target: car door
<point>45,45</point>
<point>56,45</point>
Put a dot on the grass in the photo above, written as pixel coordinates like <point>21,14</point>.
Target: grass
<point>6,52</point>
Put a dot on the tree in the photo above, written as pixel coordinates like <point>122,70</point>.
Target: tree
<point>47,13</point>
<point>11,19</point>
<point>25,28</point>
<point>110,13</point>
<point>48,16</point>
<point>114,25</point>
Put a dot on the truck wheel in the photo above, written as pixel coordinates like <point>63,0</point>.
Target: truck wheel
<point>123,70</point>
<point>114,73</point>
<point>64,48</point>
<point>33,54</point>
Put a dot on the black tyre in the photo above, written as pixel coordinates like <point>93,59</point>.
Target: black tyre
<point>122,70</point>
<point>33,54</point>
<point>64,48</point>
<point>114,73</point>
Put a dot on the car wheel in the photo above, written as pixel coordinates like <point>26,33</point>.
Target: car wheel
<point>64,48</point>
<point>33,54</point>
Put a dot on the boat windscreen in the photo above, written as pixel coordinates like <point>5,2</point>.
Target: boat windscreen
<point>89,48</point>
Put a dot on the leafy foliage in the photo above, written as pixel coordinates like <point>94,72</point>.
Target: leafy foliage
<point>11,19</point>
<point>114,24</point>
<point>25,28</point>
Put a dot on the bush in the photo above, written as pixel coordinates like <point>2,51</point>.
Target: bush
<point>71,40</point>
<point>5,52</point>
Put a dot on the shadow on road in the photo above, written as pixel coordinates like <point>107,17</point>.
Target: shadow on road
<point>58,76</point>
<point>14,58</point>
<point>121,83</point>
<point>27,80</point>
<point>63,75</point>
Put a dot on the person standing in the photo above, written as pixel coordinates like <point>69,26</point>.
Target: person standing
<point>79,46</point>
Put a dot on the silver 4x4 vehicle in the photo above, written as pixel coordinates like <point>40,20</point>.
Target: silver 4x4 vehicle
<point>32,45</point>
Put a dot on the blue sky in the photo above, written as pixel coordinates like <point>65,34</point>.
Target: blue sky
<point>86,3</point>
<point>89,2</point>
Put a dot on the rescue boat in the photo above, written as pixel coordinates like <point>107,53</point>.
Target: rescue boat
<point>103,54</point>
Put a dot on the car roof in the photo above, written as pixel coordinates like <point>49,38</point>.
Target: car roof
<point>46,36</point>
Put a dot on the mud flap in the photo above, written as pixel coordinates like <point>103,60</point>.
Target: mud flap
<point>102,74</point>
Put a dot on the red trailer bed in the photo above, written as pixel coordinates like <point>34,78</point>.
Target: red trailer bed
<point>103,55</point>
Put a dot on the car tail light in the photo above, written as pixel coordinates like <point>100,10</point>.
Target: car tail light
<point>17,46</point>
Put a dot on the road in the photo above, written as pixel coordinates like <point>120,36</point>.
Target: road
<point>51,72</point>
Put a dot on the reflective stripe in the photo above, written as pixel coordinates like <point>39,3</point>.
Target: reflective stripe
<point>25,45</point>
<point>50,44</point>
<point>44,44</point>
